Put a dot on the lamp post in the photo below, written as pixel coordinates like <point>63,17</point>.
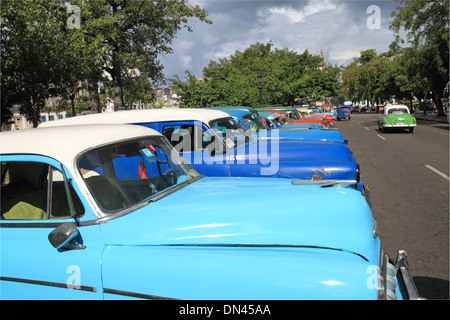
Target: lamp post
<point>259,77</point>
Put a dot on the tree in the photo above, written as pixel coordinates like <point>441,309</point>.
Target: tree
<point>130,35</point>
<point>286,77</point>
<point>39,56</point>
<point>402,76</point>
<point>361,78</point>
<point>427,32</point>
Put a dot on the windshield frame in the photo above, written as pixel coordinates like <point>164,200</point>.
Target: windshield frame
<point>254,118</point>
<point>228,139</point>
<point>172,158</point>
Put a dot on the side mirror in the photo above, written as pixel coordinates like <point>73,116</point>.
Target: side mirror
<point>64,237</point>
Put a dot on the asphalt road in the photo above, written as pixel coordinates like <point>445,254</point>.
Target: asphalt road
<point>407,174</point>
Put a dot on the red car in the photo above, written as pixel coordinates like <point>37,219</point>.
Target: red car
<point>294,118</point>
<point>327,117</point>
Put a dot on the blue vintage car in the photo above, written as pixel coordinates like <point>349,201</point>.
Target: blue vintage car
<point>216,145</point>
<point>249,119</point>
<point>113,212</point>
<point>344,113</point>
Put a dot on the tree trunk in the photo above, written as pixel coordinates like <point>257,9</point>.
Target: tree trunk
<point>117,90</point>
<point>35,111</point>
<point>117,80</point>
<point>95,98</point>
<point>116,67</point>
<point>438,102</point>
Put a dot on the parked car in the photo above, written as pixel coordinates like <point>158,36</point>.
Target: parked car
<point>311,114</point>
<point>280,120</point>
<point>250,119</point>
<point>343,113</point>
<point>295,117</point>
<point>216,145</point>
<point>113,212</point>
<point>396,117</point>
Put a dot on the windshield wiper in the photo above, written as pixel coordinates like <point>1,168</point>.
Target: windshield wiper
<point>173,189</point>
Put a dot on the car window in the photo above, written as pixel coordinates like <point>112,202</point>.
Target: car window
<point>124,174</point>
<point>189,138</point>
<point>230,131</point>
<point>36,191</point>
<point>253,122</point>
<point>397,111</point>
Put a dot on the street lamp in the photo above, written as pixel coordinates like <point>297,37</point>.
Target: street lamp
<point>259,77</point>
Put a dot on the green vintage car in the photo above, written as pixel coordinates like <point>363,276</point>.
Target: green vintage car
<point>396,117</point>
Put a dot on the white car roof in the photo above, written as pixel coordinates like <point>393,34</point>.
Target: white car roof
<point>65,143</point>
<point>386,108</point>
<point>139,116</point>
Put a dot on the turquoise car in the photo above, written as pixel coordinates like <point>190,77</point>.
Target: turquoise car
<point>113,212</point>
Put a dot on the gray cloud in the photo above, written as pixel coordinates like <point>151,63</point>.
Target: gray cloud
<point>339,28</point>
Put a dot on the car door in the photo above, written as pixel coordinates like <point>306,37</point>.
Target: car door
<point>38,196</point>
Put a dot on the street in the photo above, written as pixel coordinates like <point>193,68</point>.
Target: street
<point>407,174</point>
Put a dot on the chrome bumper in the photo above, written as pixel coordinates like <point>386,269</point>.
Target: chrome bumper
<point>399,125</point>
<point>405,280</point>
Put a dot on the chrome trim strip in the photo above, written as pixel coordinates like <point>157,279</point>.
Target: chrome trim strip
<point>49,283</point>
<point>135,294</point>
<point>44,223</point>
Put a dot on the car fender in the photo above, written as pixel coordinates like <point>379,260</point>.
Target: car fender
<point>236,272</point>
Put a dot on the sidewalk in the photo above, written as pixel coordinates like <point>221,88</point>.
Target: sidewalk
<point>431,117</point>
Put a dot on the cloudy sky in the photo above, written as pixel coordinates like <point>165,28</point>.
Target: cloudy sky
<point>341,28</point>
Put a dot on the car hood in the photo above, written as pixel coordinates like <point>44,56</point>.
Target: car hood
<point>251,211</point>
<point>287,149</point>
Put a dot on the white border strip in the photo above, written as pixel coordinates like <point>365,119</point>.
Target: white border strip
<point>438,172</point>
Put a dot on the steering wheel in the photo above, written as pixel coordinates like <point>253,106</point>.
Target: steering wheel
<point>165,174</point>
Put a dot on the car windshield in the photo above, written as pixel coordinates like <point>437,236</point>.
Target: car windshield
<point>397,111</point>
<point>125,174</point>
<point>230,131</point>
<point>253,121</point>
<point>285,118</point>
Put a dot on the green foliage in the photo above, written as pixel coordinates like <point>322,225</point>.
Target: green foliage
<point>39,55</point>
<point>286,77</point>
<point>117,43</point>
<point>405,71</point>
<point>128,36</point>
<point>427,33</point>
<point>361,79</point>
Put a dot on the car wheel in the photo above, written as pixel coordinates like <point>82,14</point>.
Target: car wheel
<point>411,130</point>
